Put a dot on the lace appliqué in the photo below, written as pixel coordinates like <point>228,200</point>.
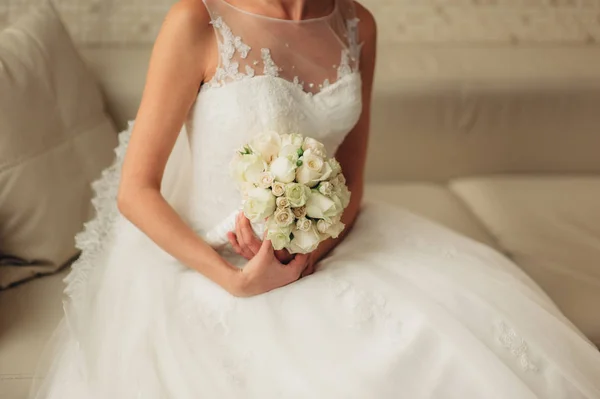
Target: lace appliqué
<point>270,68</point>
<point>349,61</point>
<point>365,307</point>
<point>515,344</point>
<point>228,46</point>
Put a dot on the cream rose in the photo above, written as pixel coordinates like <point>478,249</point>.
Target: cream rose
<point>326,188</point>
<point>283,217</point>
<point>265,180</point>
<point>266,144</point>
<point>343,194</point>
<point>315,146</point>
<point>293,139</point>
<point>245,188</point>
<point>312,170</point>
<point>332,228</point>
<point>305,241</point>
<point>319,206</point>
<point>279,237</point>
<point>290,152</point>
<point>336,168</point>
<point>299,212</point>
<point>303,224</point>
<point>282,202</point>
<point>259,205</point>
<point>297,194</point>
<point>247,168</point>
<point>283,170</point>
<point>278,189</point>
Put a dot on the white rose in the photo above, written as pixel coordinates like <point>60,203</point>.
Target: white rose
<point>259,205</point>
<point>247,168</point>
<point>245,189</point>
<point>303,224</point>
<point>332,228</point>
<point>336,168</point>
<point>283,170</point>
<point>315,146</point>
<point>319,206</point>
<point>326,188</point>
<point>293,139</point>
<point>265,180</point>
<point>290,152</point>
<point>278,189</point>
<point>299,212</point>
<point>335,182</point>
<point>282,202</point>
<point>323,225</point>
<point>305,241</point>
<point>279,237</point>
<point>267,144</point>
<point>341,179</point>
<point>297,194</point>
<point>313,169</point>
<point>343,194</point>
<point>283,217</point>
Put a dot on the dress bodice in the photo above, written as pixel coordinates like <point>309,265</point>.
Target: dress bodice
<point>280,75</point>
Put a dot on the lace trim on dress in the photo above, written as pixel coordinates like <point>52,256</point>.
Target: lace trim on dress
<point>517,347</point>
<point>98,232</point>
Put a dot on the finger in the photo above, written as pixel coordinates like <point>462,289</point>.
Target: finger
<point>246,253</point>
<point>310,269</point>
<point>266,248</point>
<point>251,240</point>
<point>238,230</point>
<point>234,243</point>
<point>232,239</point>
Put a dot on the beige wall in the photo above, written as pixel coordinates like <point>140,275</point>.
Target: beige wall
<point>513,22</point>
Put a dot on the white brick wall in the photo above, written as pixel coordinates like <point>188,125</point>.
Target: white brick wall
<point>513,22</point>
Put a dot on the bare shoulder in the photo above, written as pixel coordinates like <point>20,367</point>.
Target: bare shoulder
<point>367,25</point>
<point>185,42</point>
<point>189,20</point>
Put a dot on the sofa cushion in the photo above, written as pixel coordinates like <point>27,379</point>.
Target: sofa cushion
<point>30,313</point>
<point>433,201</point>
<point>550,226</point>
<point>55,138</point>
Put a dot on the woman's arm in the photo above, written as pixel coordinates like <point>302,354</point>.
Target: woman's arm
<point>183,55</point>
<point>352,154</point>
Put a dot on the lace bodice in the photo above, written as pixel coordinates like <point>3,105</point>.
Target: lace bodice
<point>287,76</point>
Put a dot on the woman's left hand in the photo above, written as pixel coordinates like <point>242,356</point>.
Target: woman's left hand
<point>245,242</point>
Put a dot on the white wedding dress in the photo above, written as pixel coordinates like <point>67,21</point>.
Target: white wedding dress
<point>403,308</point>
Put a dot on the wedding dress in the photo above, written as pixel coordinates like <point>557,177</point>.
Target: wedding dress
<point>403,308</point>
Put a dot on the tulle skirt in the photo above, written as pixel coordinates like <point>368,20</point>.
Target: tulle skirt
<point>403,308</point>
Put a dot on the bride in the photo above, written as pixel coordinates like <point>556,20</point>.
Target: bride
<point>398,307</point>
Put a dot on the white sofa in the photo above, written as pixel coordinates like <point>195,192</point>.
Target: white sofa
<point>502,145</point>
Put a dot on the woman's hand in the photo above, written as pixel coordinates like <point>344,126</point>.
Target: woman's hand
<point>264,273</point>
<point>247,244</point>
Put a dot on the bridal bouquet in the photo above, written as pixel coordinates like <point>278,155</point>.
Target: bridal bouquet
<point>290,189</point>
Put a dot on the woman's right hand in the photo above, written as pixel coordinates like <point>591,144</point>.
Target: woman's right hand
<point>264,272</point>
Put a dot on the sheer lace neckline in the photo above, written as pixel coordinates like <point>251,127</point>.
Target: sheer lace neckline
<point>282,20</point>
